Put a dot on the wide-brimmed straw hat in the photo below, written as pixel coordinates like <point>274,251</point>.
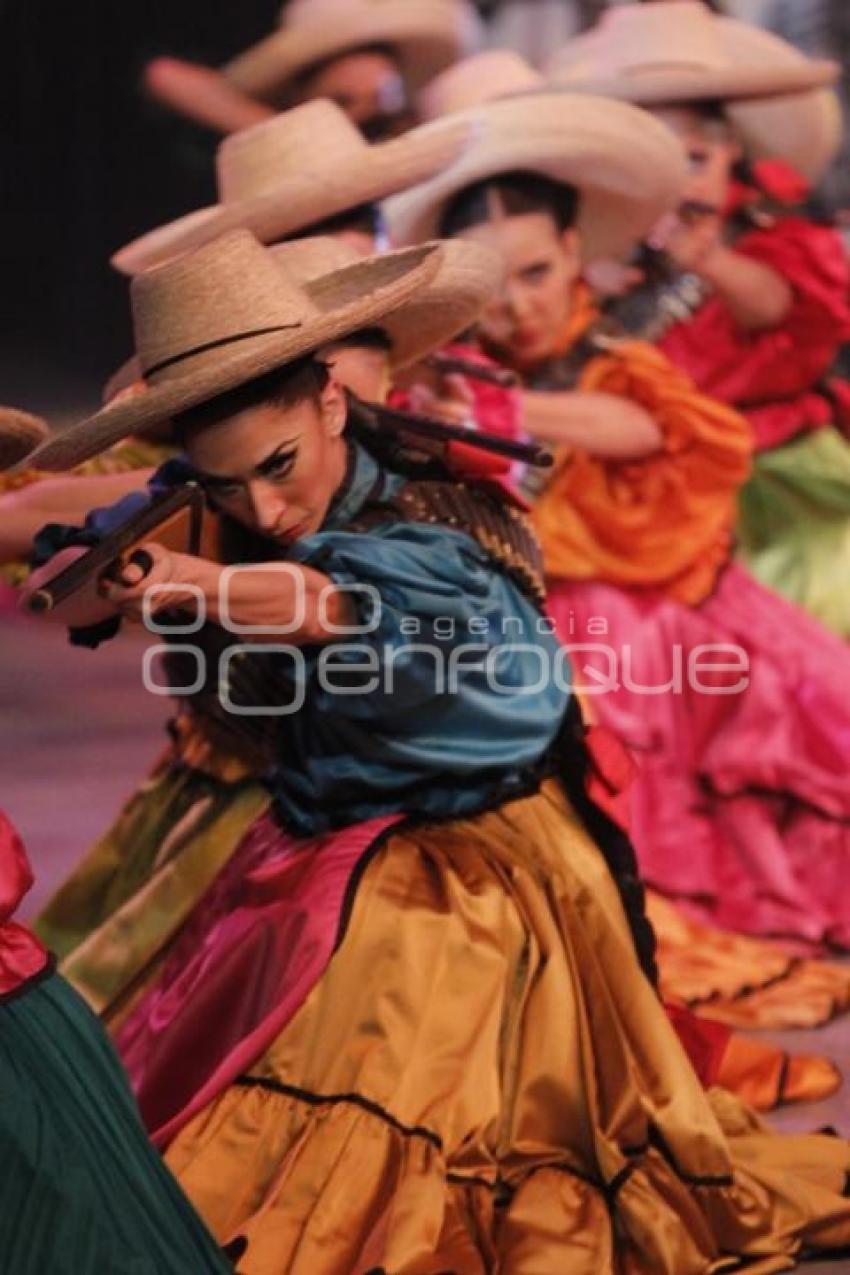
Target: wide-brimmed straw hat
<point>20,434</point>
<point>219,317</point>
<point>291,171</point>
<point>628,168</point>
<point>679,52</point>
<point>466,277</point>
<point>426,35</point>
<point>476,79</point>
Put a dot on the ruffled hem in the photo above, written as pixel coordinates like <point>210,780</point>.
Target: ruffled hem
<point>275,1173</point>
<point>483,1079</point>
<point>739,981</point>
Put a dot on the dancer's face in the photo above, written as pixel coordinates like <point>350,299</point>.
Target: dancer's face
<point>275,469</point>
<point>712,154</point>
<point>541,263</point>
<point>366,84</point>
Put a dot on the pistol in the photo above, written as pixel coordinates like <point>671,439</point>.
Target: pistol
<point>396,423</point>
<point>501,376</point>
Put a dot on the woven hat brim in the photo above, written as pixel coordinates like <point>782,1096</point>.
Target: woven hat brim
<point>672,87</point>
<point>358,297</point>
<point>803,127</point>
<point>464,282</point>
<point>463,285</point>
<point>20,434</point>
<point>303,198</point>
<point>428,37</point>
<point>627,166</point>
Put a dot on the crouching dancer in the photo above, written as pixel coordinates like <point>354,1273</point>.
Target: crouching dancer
<point>478,1074</point>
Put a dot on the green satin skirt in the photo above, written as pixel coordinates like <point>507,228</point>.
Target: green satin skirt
<point>794,525</point>
<point>82,1191</point>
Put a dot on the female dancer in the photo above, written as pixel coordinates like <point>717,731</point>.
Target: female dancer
<point>730,695</point>
<point>482,1055</point>
<point>368,56</point>
<point>82,1189</point>
<point>743,290</point>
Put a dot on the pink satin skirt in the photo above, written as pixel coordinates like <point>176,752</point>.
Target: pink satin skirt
<point>738,713</point>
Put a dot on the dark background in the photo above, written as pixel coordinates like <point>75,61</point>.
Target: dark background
<point>87,163</point>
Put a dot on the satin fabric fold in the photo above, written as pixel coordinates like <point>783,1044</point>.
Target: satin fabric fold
<point>484,1060</point>
<point>664,521</point>
<point>741,981</point>
<point>121,907</point>
<point>741,803</point>
<point>241,966</point>
<point>22,957</point>
<point>774,375</point>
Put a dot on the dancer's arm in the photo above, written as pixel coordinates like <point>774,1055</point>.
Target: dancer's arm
<point>755,294</point>
<point>605,425</point>
<point>202,94</point>
<point>24,511</point>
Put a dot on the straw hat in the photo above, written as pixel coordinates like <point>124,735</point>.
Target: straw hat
<point>298,168</point>
<point>226,314</point>
<point>20,433</point>
<point>467,275</point>
<point>680,52</point>
<point>628,167</point>
<point>427,36</point>
<point>480,78</point>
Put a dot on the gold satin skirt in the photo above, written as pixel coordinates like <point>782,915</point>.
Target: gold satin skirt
<point>483,1081</point>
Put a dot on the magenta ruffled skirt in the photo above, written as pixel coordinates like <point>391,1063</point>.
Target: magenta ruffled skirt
<point>742,802</point>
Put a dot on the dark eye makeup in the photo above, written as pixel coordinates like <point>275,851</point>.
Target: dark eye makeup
<point>278,465</point>
<point>537,272</point>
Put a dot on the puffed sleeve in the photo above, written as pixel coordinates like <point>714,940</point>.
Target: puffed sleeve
<point>775,369</point>
<point>664,521</point>
<point>411,698</point>
<point>417,586</point>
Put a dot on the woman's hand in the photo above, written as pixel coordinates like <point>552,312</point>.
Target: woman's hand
<point>690,241</point>
<point>448,399</point>
<point>756,296</point>
<point>165,578</point>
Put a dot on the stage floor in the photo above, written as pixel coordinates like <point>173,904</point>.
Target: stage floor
<point>79,730</point>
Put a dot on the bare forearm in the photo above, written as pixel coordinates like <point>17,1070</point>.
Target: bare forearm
<point>755,295</point>
<point>24,512</point>
<point>285,602</point>
<point>279,602</point>
<point>203,94</point>
<point>605,425</point>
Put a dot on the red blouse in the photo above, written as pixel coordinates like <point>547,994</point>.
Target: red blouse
<point>22,957</point>
<point>773,375</point>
